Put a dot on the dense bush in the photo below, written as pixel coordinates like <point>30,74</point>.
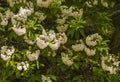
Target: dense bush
<point>57,41</point>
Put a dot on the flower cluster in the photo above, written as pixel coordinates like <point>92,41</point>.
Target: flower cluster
<point>5,17</point>
<point>104,3</point>
<point>115,65</point>
<point>23,66</point>
<point>90,52</point>
<point>91,41</point>
<point>52,39</point>
<point>33,56</point>
<point>44,3</point>
<point>71,11</point>
<point>95,2</point>
<point>6,52</point>
<point>61,21</point>
<point>78,47</point>
<point>21,16</point>
<point>66,59</point>
<point>13,2</point>
<point>45,78</point>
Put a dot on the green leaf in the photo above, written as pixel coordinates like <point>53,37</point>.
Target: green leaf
<point>7,62</point>
<point>53,77</point>
<point>78,78</point>
<point>37,64</point>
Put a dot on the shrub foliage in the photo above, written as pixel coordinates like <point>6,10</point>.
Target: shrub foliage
<point>57,41</point>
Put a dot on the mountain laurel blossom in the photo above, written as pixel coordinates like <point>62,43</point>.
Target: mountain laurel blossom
<point>33,56</point>
<point>62,28</point>
<point>66,60</point>
<point>105,67</point>
<point>95,2</point>
<point>104,3</point>
<point>62,38</point>
<point>4,18</point>
<point>19,30</point>
<point>45,78</point>
<point>4,22</point>
<point>41,43</point>
<point>51,35</point>
<point>78,47</point>
<point>23,66</point>
<point>90,52</point>
<point>55,45</point>
<point>88,3</point>
<point>6,52</point>
<point>44,3</point>
<point>89,41</point>
<point>25,11</point>
<point>21,15</point>
<point>92,40</point>
<point>61,21</point>
<point>71,11</point>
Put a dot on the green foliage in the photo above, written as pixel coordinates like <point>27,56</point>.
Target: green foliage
<point>76,27</point>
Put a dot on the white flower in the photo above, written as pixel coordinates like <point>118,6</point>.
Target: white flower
<point>62,38</point>
<point>27,40</point>
<point>112,70</point>
<point>67,11</point>
<point>41,15</point>
<point>25,11</point>
<point>51,35</point>
<point>5,57</point>
<point>105,67</point>
<point>33,56</point>
<point>45,78</point>
<point>95,2</point>
<point>4,22</point>
<point>62,28</point>
<point>18,30</point>
<point>55,45</point>
<point>71,11</point>
<point>104,3</point>
<point>61,21</point>
<point>116,63</point>
<point>48,36</point>
<point>80,12</point>
<point>21,15</point>
<point>78,47</point>
<point>66,60</point>
<point>22,66</point>
<point>92,40</point>
<point>19,66</point>
<point>41,43</point>
<point>88,3</point>
<point>77,13</point>
<point>90,52</point>
<point>44,3</point>
<point>6,52</point>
